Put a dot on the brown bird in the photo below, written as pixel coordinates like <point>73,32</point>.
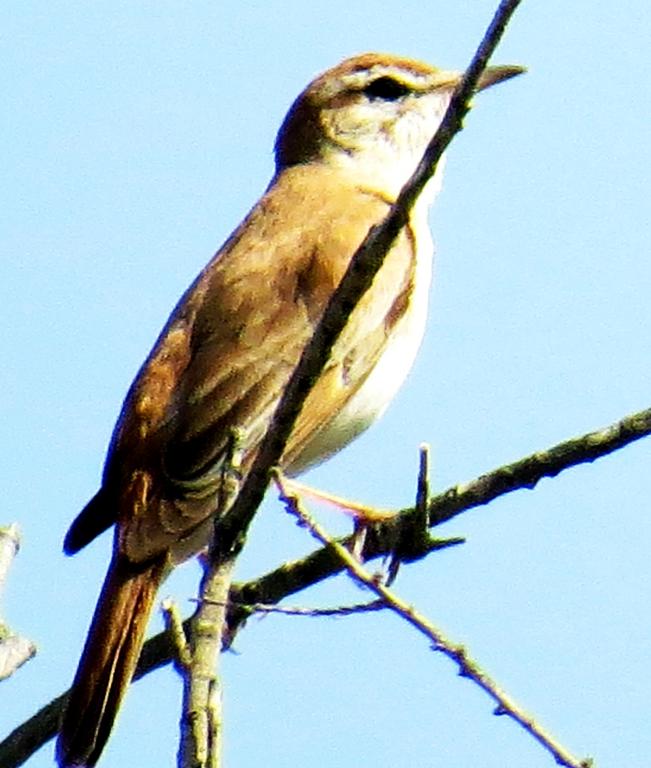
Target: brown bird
<point>346,147</point>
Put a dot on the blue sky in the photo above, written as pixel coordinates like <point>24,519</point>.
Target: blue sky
<point>136,136</point>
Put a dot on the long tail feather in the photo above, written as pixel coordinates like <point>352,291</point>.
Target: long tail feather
<point>108,661</point>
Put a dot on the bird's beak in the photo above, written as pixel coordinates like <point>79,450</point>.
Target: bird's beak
<point>444,79</point>
<point>492,75</point>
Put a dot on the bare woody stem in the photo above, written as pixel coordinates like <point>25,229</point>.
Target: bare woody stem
<point>440,641</point>
<point>293,577</point>
<point>201,717</point>
<point>15,649</point>
<point>527,472</point>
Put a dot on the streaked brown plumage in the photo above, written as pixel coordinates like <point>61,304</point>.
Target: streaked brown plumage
<point>347,145</point>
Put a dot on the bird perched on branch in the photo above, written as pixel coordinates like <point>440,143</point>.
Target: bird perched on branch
<point>348,144</point>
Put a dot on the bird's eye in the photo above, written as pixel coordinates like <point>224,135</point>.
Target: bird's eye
<point>386,88</point>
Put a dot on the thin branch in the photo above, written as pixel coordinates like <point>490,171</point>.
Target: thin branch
<point>422,487</point>
<point>297,610</point>
<point>294,576</point>
<point>413,535</point>
<point>468,668</point>
<point>297,575</point>
<point>201,720</point>
<point>9,546</point>
<point>15,649</point>
<point>174,626</point>
<point>528,472</point>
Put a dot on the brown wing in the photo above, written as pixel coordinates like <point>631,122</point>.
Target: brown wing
<point>228,349</point>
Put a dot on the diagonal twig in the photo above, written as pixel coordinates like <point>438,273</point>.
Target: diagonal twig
<point>363,267</point>
<point>294,576</point>
<point>527,472</point>
<point>468,668</point>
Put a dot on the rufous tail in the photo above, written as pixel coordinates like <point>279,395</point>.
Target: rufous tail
<point>108,661</point>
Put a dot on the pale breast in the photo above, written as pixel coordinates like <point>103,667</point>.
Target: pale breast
<point>371,399</point>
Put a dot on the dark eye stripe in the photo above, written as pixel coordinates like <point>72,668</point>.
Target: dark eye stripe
<point>387,89</point>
